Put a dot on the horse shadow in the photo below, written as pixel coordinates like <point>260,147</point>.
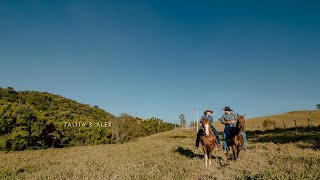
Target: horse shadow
<point>190,154</point>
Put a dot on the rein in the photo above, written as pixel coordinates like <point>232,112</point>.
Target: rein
<point>236,130</point>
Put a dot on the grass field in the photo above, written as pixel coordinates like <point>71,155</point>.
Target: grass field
<point>169,155</point>
<point>301,118</point>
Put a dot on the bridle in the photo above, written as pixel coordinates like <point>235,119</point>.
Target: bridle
<point>240,125</point>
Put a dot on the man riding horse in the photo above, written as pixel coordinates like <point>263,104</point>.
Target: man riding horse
<point>229,120</point>
<point>207,114</point>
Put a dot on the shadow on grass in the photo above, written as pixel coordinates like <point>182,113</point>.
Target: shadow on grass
<point>283,136</point>
<point>176,137</point>
<point>188,153</point>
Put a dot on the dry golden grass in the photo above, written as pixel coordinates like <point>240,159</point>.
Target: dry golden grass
<point>170,155</point>
<point>301,118</point>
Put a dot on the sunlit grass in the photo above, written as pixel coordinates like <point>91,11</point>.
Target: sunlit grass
<point>167,155</point>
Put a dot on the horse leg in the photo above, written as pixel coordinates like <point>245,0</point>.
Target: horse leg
<point>239,149</point>
<point>226,155</point>
<point>204,148</point>
<point>240,145</point>
<point>210,152</point>
<point>234,152</point>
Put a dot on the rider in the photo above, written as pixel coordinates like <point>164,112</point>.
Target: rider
<point>229,120</point>
<point>207,114</point>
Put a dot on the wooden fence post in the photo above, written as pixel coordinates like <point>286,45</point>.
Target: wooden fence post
<point>284,125</point>
<point>274,126</point>
<point>295,124</point>
<point>309,124</point>
<point>258,127</point>
<point>252,128</point>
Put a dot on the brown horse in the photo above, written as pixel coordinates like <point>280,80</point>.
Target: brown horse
<point>208,141</point>
<point>235,139</point>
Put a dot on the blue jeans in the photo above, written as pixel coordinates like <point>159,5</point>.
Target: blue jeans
<point>226,133</point>
<point>244,140</point>
<point>215,132</point>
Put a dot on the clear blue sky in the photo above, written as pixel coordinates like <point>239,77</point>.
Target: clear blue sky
<point>163,58</point>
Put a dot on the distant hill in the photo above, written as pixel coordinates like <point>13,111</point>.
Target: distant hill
<point>36,120</point>
<point>282,120</point>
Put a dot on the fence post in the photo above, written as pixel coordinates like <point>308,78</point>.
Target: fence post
<point>274,126</point>
<point>309,124</point>
<point>258,127</point>
<point>252,128</point>
<point>295,124</point>
<point>284,125</point>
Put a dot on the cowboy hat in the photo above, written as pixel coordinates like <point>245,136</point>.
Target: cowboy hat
<point>227,108</point>
<point>208,110</point>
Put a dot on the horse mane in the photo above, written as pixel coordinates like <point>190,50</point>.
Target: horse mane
<point>240,123</point>
<point>203,124</point>
<point>205,118</point>
<point>240,126</point>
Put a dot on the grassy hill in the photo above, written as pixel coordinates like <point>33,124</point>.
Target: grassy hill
<point>286,119</point>
<point>38,120</point>
<point>169,155</point>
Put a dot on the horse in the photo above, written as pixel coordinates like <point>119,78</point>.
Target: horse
<point>235,139</point>
<point>208,141</point>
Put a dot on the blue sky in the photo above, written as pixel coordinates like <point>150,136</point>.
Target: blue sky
<point>163,58</point>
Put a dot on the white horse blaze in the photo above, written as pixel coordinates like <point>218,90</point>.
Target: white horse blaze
<point>207,129</point>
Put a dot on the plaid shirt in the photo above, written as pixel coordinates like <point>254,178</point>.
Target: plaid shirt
<point>229,117</point>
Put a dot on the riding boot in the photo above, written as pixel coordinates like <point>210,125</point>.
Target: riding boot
<point>198,137</point>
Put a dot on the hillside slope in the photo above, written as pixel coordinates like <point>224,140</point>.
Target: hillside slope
<point>169,155</point>
<point>38,120</point>
<point>282,120</point>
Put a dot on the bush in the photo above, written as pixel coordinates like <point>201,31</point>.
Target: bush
<point>268,123</point>
<point>34,120</point>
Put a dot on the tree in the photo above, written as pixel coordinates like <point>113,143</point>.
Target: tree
<point>11,90</point>
<point>182,120</point>
<point>318,106</point>
<point>38,120</point>
<point>193,124</point>
<point>268,123</point>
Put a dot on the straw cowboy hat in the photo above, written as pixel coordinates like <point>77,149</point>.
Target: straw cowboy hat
<point>227,108</point>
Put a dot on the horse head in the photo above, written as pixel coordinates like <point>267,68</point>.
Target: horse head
<point>206,125</point>
<point>240,122</point>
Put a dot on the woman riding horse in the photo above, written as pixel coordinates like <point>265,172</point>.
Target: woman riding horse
<point>207,114</point>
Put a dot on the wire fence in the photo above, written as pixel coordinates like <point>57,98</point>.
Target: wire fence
<point>269,124</point>
<point>283,125</point>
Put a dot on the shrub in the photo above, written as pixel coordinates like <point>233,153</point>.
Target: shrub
<point>268,123</point>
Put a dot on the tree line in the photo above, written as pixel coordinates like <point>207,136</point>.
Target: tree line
<point>38,120</point>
